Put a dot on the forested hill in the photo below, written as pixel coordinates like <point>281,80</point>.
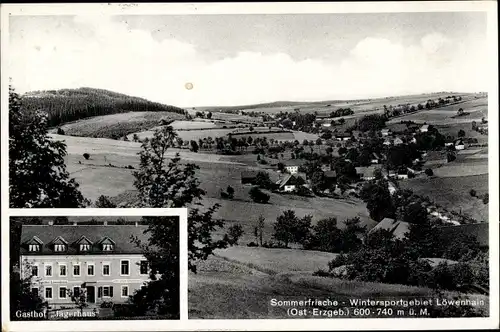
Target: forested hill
<point>68,105</point>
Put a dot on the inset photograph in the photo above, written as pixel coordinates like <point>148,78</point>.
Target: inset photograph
<point>81,268</point>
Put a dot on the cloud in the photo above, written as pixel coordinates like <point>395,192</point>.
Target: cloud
<point>99,52</point>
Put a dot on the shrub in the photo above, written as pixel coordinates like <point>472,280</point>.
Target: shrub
<point>429,172</point>
<point>473,193</point>
<point>234,234</point>
<point>321,273</point>
<point>86,156</point>
<point>60,131</point>
<point>252,244</point>
<point>230,191</point>
<point>106,304</point>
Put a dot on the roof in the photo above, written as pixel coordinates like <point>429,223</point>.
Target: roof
<point>385,130</point>
<point>479,230</point>
<point>425,126</point>
<point>295,162</point>
<point>366,171</point>
<point>74,234</point>
<point>397,228</point>
<point>291,180</point>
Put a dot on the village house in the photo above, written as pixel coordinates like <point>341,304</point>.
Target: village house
<point>366,173</point>
<point>326,167</point>
<point>459,145</point>
<point>290,182</point>
<point>398,141</point>
<point>343,136</point>
<point>99,260</point>
<point>385,132</point>
<point>387,142</point>
<point>292,165</point>
<point>397,228</point>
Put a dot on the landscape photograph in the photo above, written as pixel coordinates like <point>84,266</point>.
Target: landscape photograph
<point>333,165</point>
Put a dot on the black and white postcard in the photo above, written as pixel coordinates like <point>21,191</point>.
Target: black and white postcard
<point>338,164</point>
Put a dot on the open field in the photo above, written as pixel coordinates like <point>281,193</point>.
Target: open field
<point>214,289</point>
<point>216,172</point>
<point>120,124</point>
<point>452,193</point>
<point>477,108</point>
<point>274,261</point>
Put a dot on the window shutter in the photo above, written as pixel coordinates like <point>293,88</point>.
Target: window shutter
<point>111,291</point>
<point>99,292</point>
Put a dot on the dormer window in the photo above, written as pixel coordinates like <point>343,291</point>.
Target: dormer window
<point>107,247</point>
<point>34,247</point>
<point>107,244</point>
<point>84,247</point>
<point>59,244</point>
<point>34,244</point>
<point>59,247</point>
<point>84,244</point>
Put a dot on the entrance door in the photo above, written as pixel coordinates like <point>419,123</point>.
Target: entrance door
<point>90,294</point>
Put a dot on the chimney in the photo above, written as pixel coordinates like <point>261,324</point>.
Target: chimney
<point>105,223</point>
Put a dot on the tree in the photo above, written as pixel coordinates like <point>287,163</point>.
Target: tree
<point>230,192</point>
<point>263,180</point>
<point>209,115</point>
<point>341,121</point>
<point>22,297</point>
<point>194,146</point>
<point>474,125</point>
<point>172,185</point>
<point>377,197</point>
<point>326,235</point>
<point>60,131</point>
<point>37,172</point>
<point>415,213</point>
<point>234,234</point>
<point>289,228</point>
<point>79,298</point>
<point>450,156</point>
<point>473,193</point>
<point>342,150</point>
<point>429,172</point>
<point>86,156</point>
<point>104,202</point>
<point>461,133</point>
<point>135,138</point>
<point>258,196</point>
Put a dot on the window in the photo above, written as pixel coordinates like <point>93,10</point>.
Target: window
<point>34,290</point>
<point>144,267</point>
<point>48,270</point>
<point>62,292</point>
<point>34,270</point>
<point>48,292</point>
<point>59,247</point>
<point>124,268</point>
<point>76,291</point>
<point>124,291</point>
<point>76,269</point>
<point>62,270</point>
<point>84,247</point>
<point>34,247</point>
<point>90,269</point>
<point>105,269</point>
<point>107,247</point>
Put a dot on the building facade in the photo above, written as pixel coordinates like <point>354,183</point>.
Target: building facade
<point>99,261</point>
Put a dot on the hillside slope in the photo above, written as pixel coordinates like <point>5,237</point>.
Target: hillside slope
<point>68,105</point>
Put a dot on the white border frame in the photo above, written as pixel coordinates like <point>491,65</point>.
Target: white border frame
<point>490,7</point>
<point>128,261</point>
<point>101,325</point>
<point>65,270</point>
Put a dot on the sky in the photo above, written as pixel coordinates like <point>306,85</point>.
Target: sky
<point>245,59</point>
